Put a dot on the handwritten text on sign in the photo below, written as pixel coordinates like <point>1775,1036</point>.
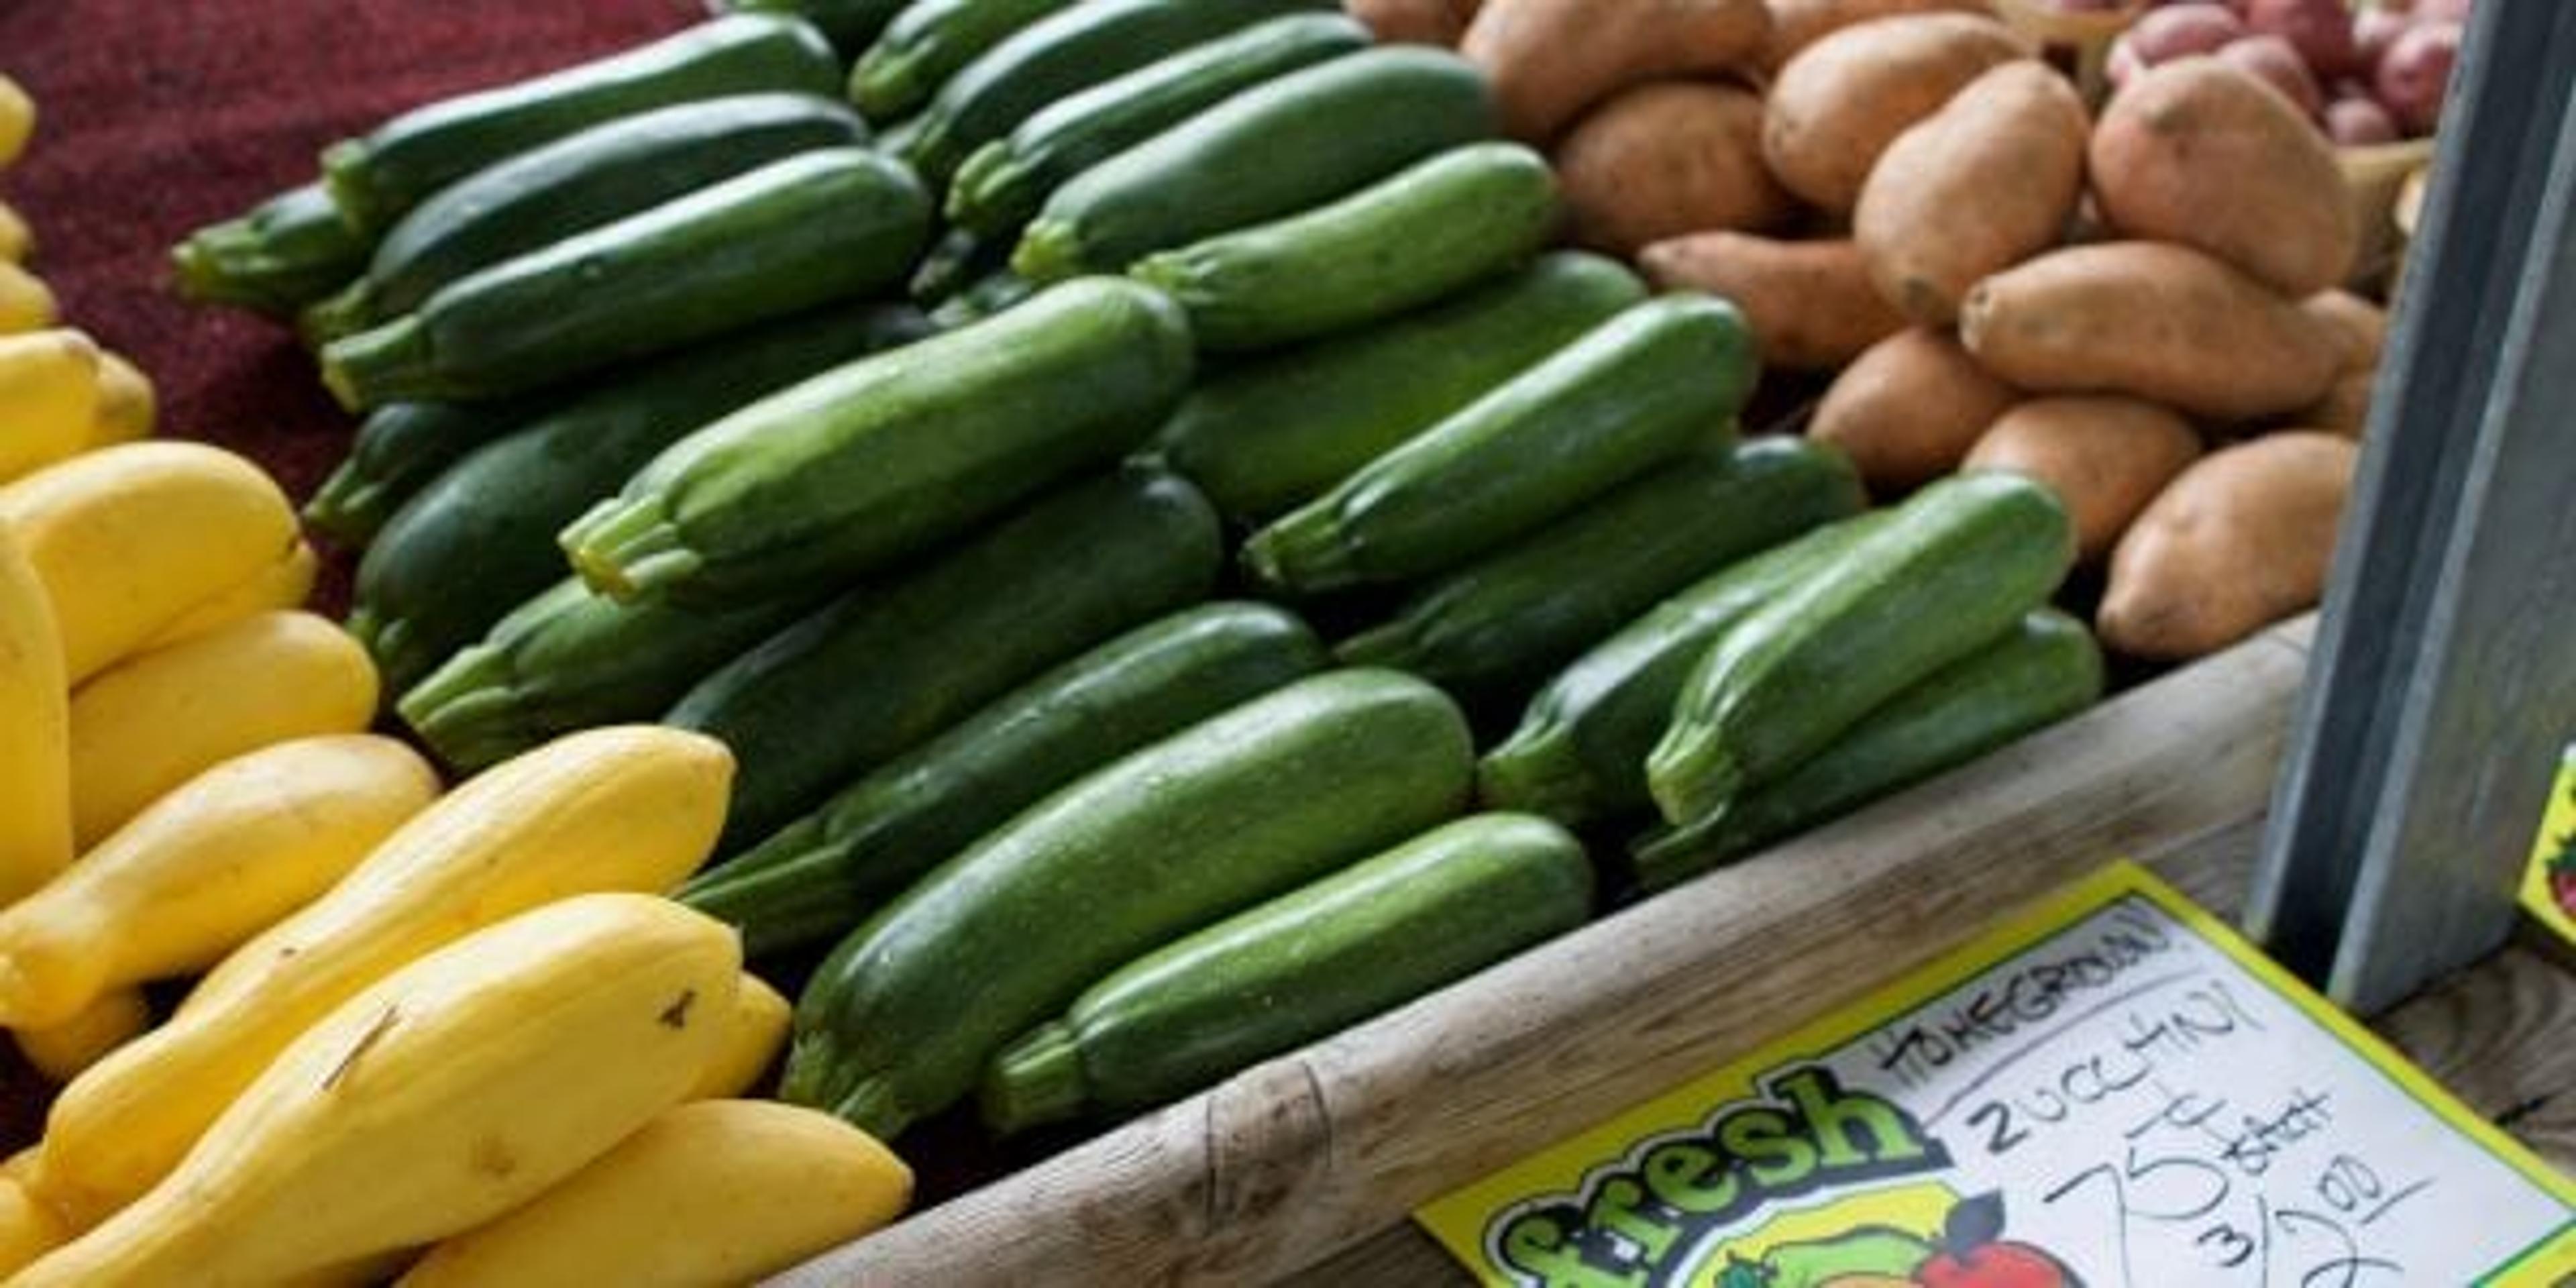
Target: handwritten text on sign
<point>2111,1091</point>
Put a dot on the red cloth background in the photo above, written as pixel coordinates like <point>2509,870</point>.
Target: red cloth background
<point>157,116</point>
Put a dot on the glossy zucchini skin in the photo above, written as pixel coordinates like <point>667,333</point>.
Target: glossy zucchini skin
<point>1064,53</point>
<point>1579,753</point>
<point>851,25</point>
<point>900,1020</point>
<point>890,665</point>
<point>982,298</point>
<point>581,181</point>
<point>929,42</point>
<point>817,878</point>
<point>831,224</point>
<point>1657,380</point>
<point>1366,939</point>
<point>568,660</point>
<point>374,179</point>
<point>1280,147</point>
<point>1271,432</point>
<point>1462,216</point>
<point>1505,622</point>
<point>399,448</point>
<point>479,540</point>
<point>1003,183</point>
<point>882,459</point>
<point>1954,567</point>
<point>285,253</point>
<point>2044,668</point>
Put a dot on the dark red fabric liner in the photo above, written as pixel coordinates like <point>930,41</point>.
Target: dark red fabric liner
<point>157,116</point>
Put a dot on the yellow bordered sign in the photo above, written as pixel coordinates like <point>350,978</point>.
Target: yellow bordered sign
<point>2110,1090</point>
<point>2549,886</point>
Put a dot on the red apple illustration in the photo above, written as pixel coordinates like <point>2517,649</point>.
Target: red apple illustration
<point>1974,1253</point>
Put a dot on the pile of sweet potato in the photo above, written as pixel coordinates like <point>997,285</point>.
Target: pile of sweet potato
<point>2140,309</point>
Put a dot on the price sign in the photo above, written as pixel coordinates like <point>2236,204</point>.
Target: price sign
<point>2549,887</point>
<point>2111,1091</point>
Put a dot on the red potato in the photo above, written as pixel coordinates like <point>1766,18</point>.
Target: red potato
<point>2104,456</point>
<point>2416,73</point>
<point>1907,411</point>
<point>1810,303</point>
<point>2163,322</point>
<point>1550,59</point>
<point>2373,31</point>
<point>2176,31</point>
<point>2198,153</point>
<point>2360,123</point>
<point>2242,539</point>
<point>1841,101</point>
<point>1796,24</point>
<point>2277,64</point>
<point>2440,10</point>
<point>1414,22</point>
<point>1986,182</point>
<point>1668,158</point>
<point>2321,30</point>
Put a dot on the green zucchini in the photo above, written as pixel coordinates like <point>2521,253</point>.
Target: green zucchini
<point>982,298</point>
<point>885,458</point>
<point>1064,53</point>
<point>957,260</point>
<point>1307,964</point>
<point>1266,435</point>
<point>827,225</point>
<point>399,448</point>
<point>900,1020</point>
<point>1004,182</point>
<point>375,179</point>
<point>851,25</point>
<point>2044,669</point>
<point>1462,216</point>
<point>1644,387</point>
<point>821,875</point>
<point>929,42</point>
<point>891,664</point>
<point>1504,622</point>
<point>285,253</point>
<point>570,659</point>
<point>1280,147</point>
<point>1955,566</point>
<point>478,541</point>
<point>1579,755</point>
<point>577,183</point>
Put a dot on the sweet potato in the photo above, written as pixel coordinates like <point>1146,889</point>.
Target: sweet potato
<point>1908,410</point>
<point>1668,158</point>
<point>1414,22</point>
<point>1810,302</point>
<point>2200,153</point>
<point>2104,455</point>
<point>2345,409</point>
<point>1977,187</point>
<point>1796,24</point>
<point>2240,540</point>
<point>1843,99</point>
<point>1550,59</point>
<point>2166,323</point>
<point>2360,327</point>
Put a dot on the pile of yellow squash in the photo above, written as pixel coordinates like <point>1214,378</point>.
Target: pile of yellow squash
<point>455,1039</point>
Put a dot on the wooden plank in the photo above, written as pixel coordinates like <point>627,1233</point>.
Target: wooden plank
<point>2439,700</point>
<point>1305,1155</point>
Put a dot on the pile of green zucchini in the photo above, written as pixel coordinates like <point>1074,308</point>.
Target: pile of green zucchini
<point>1104,651</point>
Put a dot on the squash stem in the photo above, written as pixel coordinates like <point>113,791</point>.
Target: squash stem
<point>380,365</point>
<point>1037,1081</point>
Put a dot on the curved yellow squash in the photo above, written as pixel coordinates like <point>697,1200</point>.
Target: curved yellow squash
<point>128,538</point>
<point>62,1051</point>
<point>28,1229</point>
<point>49,396</point>
<point>156,720</point>
<point>447,1093</point>
<point>625,808</point>
<point>17,119</point>
<point>26,303</point>
<point>17,241</point>
<point>754,1031</point>
<point>228,854</point>
<point>128,408</point>
<point>284,583</point>
<point>710,1194</point>
<point>35,731</point>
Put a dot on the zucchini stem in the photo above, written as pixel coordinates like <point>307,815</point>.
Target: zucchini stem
<point>1036,1081</point>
